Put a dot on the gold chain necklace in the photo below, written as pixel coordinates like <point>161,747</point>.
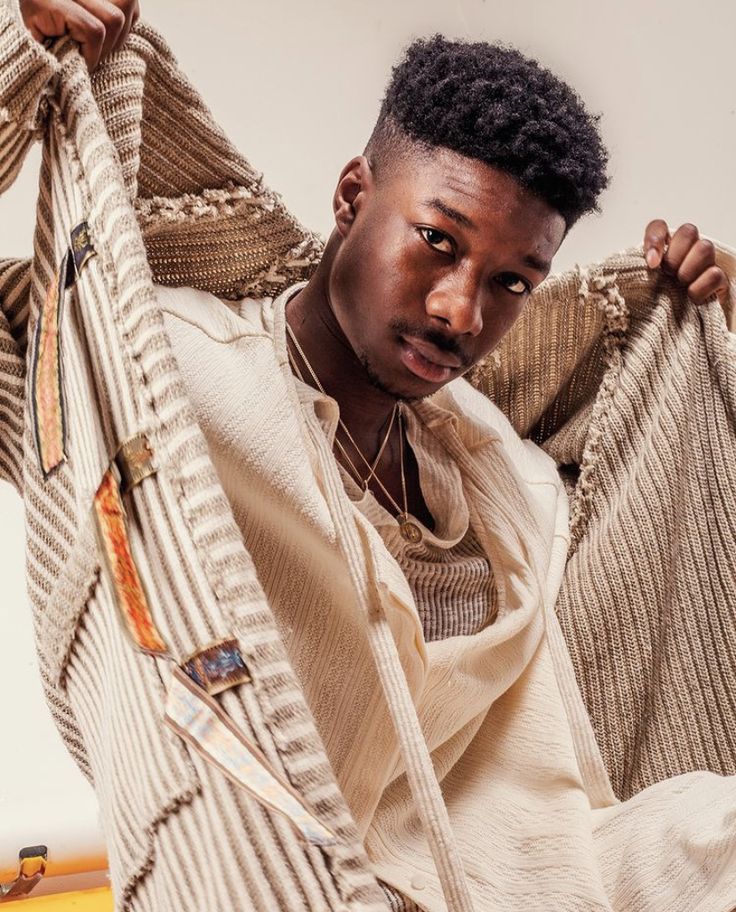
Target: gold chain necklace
<point>409,530</point>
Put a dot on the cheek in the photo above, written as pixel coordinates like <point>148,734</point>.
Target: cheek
<point>499,321</point>
<point>372,278</point>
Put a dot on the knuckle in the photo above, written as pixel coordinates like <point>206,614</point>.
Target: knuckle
<point>689,230</point>
<point>116,18</point>
<point>707,249</point>
<point>96,30</point>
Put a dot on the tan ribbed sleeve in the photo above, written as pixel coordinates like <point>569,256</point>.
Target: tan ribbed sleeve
<point>25,70</point>
<point>631,389</point>
<point>14,285</point>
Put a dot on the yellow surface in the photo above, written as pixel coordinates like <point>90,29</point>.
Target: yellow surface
<point>84,901</point>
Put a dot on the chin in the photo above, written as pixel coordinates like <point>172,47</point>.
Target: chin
<point>407,388</point>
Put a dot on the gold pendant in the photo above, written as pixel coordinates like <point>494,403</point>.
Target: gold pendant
<point>408,530</point>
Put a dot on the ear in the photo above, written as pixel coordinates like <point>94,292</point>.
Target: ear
<point>355,182</point>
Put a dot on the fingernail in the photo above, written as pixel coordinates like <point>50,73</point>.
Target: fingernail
<point>652,258</point>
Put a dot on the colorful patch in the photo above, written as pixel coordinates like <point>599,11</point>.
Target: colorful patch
<point>217,667</point>
<point>197,718</point>
<point>131,596</point>
<point>81,246</point>
<point>134,460</point>
<point>47,400</point>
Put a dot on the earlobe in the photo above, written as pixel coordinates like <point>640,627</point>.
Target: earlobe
<point>355,180</point>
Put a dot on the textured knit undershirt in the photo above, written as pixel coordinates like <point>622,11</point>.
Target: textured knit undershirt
<point>448,572</point>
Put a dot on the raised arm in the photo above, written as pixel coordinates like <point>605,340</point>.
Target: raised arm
<point>26,69</point>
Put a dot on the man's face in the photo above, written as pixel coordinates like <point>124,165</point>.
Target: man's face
<point>436,259</point>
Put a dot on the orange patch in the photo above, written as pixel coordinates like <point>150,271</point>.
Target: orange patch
<point>131,596</point>
<point>48,403</point>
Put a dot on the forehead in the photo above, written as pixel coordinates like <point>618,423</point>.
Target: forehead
<point>478,197</point>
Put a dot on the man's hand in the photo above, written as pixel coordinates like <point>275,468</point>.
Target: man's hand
<point>687,256</point>
<point>100,26</point>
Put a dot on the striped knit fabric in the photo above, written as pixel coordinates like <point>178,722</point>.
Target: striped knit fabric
<point>119,363</point>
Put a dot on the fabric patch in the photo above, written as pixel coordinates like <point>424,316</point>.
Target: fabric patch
<point>197,718</point>
<point>134,460</point>
<point>47,398</point>
<point>129,592</point>
<point>81,247</point>
<point>217,667</point>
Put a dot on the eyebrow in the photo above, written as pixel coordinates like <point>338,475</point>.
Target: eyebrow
<point>536,263</point>
<point>456,216</point>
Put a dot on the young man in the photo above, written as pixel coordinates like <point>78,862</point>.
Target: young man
<point>360,481</point>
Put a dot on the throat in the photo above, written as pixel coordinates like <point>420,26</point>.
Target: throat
<point>325,359</point>
<point>370,441</point>
<point>393,480</point>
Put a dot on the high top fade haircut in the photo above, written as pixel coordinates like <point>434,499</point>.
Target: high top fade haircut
<point>491,103</point>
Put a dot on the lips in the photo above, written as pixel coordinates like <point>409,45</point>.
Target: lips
<point>426,361</point>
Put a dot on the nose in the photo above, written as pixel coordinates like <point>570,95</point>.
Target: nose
<point>456,301</point>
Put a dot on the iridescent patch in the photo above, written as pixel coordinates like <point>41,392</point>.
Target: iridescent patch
<point>197,718</point>
<point>217,667</point>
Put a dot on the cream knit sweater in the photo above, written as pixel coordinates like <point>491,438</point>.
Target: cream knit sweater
<point>584,370</point>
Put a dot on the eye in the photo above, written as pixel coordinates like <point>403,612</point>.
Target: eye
<point>437,240</point>
<point>514,283</point>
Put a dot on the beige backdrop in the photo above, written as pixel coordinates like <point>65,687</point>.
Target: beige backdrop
<point>298,85</point>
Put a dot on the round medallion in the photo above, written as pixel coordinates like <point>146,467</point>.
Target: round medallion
<point>410,531</point>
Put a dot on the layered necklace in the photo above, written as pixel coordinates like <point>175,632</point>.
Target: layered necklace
<point>408,529</point>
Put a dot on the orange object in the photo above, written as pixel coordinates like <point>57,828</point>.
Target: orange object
<point>99,900</point>
<point>127,584</point>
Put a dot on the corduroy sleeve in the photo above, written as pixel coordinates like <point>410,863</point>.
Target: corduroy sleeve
<point>14,284</point>
<point>25,71</point>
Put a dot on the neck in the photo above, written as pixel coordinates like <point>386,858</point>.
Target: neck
<point>364,408</point>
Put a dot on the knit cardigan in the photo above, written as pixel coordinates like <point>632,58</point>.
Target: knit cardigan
<point>628,386</point>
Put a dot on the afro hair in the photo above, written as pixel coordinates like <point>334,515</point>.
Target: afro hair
<point>491,103</point>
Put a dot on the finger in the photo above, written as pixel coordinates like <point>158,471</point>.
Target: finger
<point>711,282</point>
<point>656,238</point>
<point>85,29</point>
<point>132,14</point>
<point>37,33</point>
<point>679,247</point>
<point>112,18</point>
<point>128,11</point>
<point>700,257</point>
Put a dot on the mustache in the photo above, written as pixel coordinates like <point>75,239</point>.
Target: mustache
<point>444,343</point>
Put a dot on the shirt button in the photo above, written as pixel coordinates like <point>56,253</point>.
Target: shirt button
<point>418,882</point>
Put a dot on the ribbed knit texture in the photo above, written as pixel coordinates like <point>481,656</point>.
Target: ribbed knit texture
<point>631,389</point>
